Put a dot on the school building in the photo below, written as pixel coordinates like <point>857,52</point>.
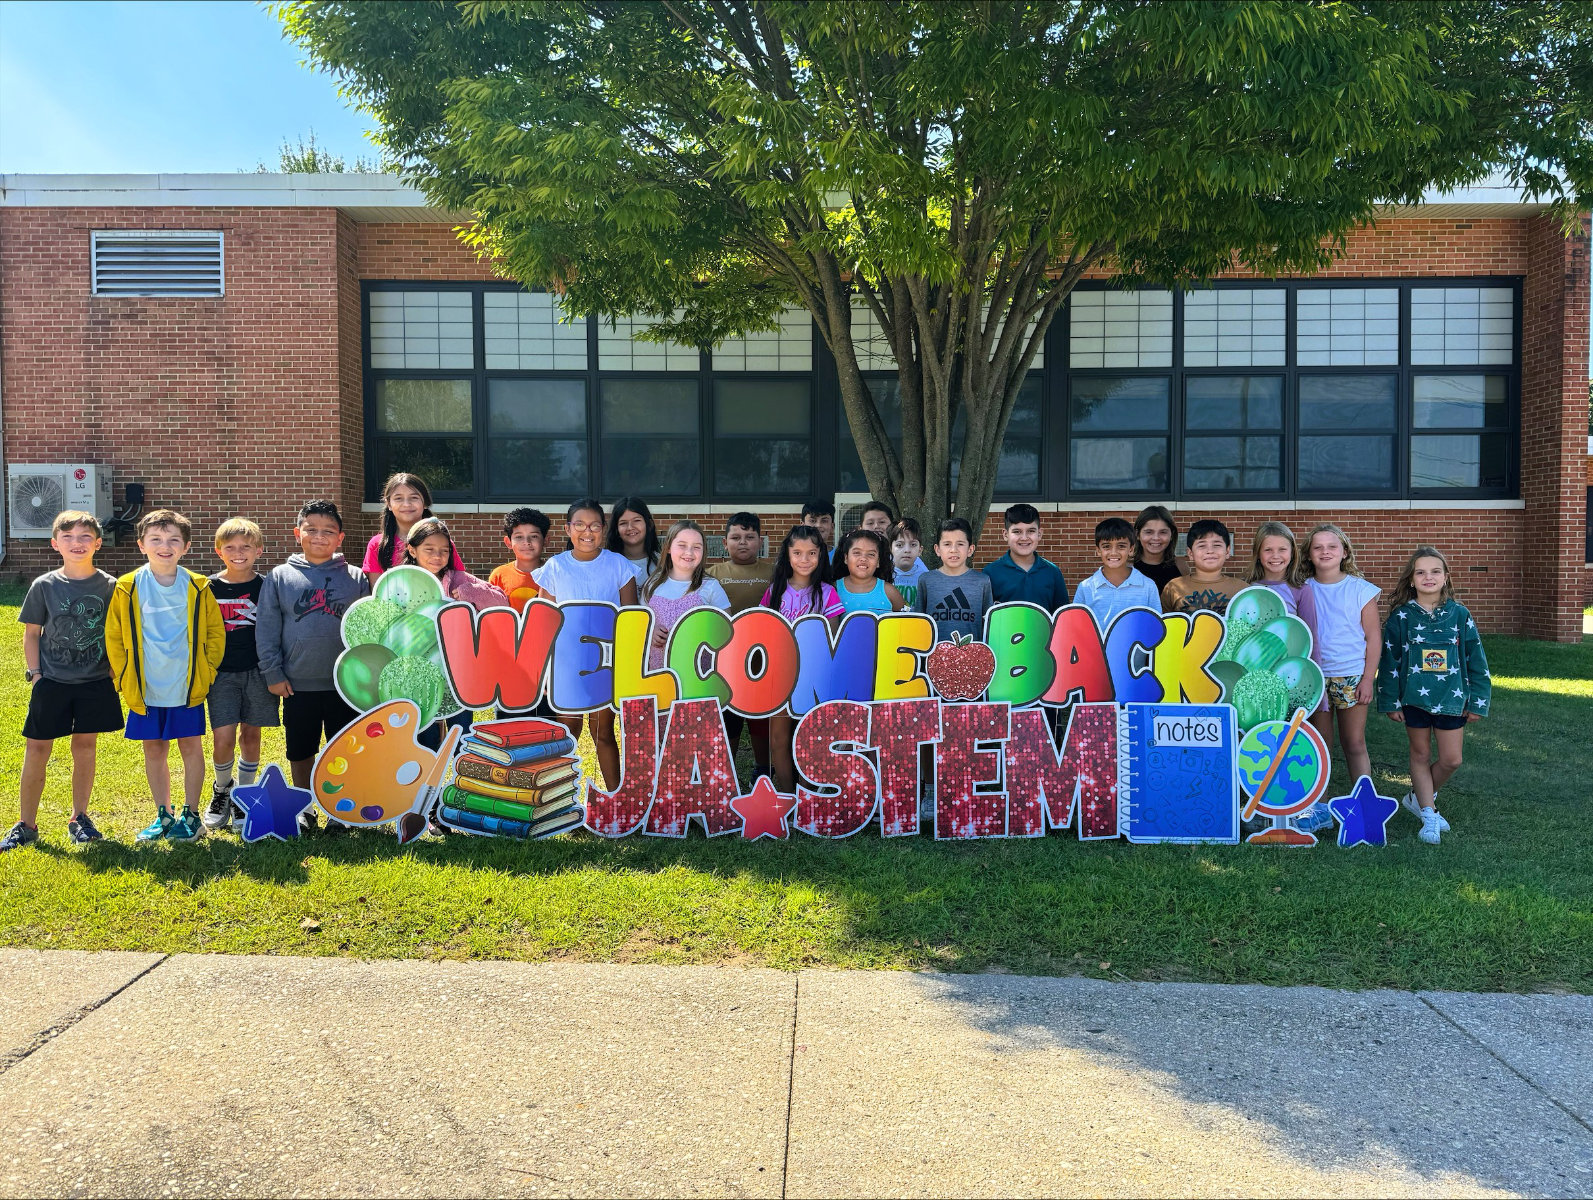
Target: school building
<point>237,344</point>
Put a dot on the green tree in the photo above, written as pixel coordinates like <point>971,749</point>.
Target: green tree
<point>957,167</point>
<point>308,157</point>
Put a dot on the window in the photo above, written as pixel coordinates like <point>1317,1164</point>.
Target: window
<point>422,330</point>
<point>538,444</point>
<point>1460,433</point>
<point>156,262</point>
<point>763,438</point>
<point>788,348</point>
<point>425,426</point>
<point>1119,428</point>
<point>1120,329</point>
<point>886,390</point>
<point>524,332</point>
<point>1347,429</point>
<point>869,341</point>
<point>1018,469</point>
<point>1347,327</point>
<point>619,349</point>
<point>1233,433</point>
<point>1235,327</point>
<point>1461,326</point>
<point>652,439</point>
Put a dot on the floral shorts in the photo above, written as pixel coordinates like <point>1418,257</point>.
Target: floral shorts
<point>1340,691</point>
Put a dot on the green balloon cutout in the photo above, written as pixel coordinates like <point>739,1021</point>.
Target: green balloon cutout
<point>1261,651</point>
<point>409,587</point>
<point>357,672</point>
<point>1258,604</point>
<point>1259,696</point>
<point>367,619</point>
<point>1227,673</point>
<point>1304,680</point>
<point>1292,632</point>
<point>414,633</point>
<point>413,678</point>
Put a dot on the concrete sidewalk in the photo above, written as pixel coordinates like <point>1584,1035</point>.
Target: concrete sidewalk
<point>131,1074</point>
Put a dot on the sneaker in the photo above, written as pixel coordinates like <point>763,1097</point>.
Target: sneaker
<point>1414,807</point>
<point>186,827</point>
<point>1430,831</point>
<point>159,827</point>
<point>21,835</point>
<point>308,822</point>
<point>82,830</point>
<point>218,814</point>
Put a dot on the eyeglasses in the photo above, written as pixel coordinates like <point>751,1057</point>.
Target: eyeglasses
<point>586,527</point>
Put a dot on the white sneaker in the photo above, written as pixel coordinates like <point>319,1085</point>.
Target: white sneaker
<point>1430,830</point>
<point>1414,807</point>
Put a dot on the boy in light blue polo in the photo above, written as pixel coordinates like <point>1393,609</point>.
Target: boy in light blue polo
<point>1116,587</point>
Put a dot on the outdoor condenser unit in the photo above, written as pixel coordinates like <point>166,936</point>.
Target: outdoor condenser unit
<point>37,492</point>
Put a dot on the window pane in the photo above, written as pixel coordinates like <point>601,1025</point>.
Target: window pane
<point>1347,327</point>
<point>553,459</point>
<point>1232,464</point>
<point>1333,402</point>
<point>888,399</point>
<point>1120,329</point>
<point>1458,402</point>
<point>1121,403</point>
<point>446,464</point>
<point>523,332</point>
<point>1346,464</point>
<point>763,437</point>
<point>1018,468</point>
<point>1235,327</point>
<point>1119,465</point>
<point>651,443</point>
<point>536,466</point>
<point>1459,460</point>
<point>423,405</point>
<point>536,406</point>
<point>422,330</point>
<point>1233,402</point>
<point>1462,325</point>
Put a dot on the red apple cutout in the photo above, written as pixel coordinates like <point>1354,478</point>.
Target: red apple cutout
<point>962,668</point>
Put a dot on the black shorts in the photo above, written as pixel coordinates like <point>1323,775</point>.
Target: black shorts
<point>307,715</point>
<point>56,710</point>
<point>1420,718</point>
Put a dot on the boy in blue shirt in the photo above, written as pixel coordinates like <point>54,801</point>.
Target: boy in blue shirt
<point>1020,573</point>
<point>165,637</point>
<point>1116,586</point>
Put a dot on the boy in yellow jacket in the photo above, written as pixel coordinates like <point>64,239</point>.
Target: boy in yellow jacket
<point>164,637</point>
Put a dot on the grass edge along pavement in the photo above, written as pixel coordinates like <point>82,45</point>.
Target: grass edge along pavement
<point>1504,904</point>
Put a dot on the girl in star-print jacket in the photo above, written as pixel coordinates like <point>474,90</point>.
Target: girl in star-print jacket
<point>1433,677</point>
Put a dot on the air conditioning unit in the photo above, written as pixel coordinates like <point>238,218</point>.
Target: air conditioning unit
<point>849,512</point>
<point>37,492</point>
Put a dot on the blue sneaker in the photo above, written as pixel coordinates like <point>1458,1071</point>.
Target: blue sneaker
<point>82,830</point>
<point>186,827</point>
<point>159,827</point>
<point>21,835</point>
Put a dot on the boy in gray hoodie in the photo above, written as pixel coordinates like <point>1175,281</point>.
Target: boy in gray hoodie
<point>298,633</point>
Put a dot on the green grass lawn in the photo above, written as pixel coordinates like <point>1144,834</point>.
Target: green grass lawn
<point>1506,903</point>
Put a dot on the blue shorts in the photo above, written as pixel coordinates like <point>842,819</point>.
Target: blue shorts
<point>166,724</point>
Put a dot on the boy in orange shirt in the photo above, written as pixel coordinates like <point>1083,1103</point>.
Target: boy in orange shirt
<point>525,532</point>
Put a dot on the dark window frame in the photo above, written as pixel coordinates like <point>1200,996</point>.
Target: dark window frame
<point>1056,381</point>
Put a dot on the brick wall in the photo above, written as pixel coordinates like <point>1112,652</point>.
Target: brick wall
<point>220,407</point>
<point>253,402</point>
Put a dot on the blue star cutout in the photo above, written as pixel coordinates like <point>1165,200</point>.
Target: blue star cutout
<point>271,807</point>
<point>1363,815</point>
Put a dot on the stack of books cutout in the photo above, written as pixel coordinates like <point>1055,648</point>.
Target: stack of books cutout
<point>517,779</point>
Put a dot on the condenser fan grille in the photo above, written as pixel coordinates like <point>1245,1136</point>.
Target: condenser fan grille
<point>35,500</point>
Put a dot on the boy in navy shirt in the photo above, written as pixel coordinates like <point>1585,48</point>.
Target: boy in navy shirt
<point>1020,573</point>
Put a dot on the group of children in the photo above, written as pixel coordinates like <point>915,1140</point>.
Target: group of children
<point>166,642</point>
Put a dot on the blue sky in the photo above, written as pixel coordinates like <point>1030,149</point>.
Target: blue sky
<point>206,85</point>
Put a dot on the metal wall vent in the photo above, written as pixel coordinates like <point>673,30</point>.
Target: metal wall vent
<point>157,262</point>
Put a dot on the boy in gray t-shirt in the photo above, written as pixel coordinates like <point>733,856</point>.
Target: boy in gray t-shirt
<point>71,694</point>
<point>954,596</point>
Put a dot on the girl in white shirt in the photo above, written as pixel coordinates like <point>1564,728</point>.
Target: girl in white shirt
<point>586,571</point>
<point>1348,641</point>
<point>633,536</point>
